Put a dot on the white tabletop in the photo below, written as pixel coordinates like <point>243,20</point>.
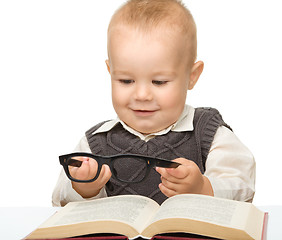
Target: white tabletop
<point>17,222</point>
<point>274,224</point>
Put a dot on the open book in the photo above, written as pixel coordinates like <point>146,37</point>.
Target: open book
<point>133,216</point>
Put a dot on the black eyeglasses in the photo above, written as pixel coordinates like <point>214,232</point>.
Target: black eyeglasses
<point>129,168</point>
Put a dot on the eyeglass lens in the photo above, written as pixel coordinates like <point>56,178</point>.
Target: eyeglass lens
<point>82,168</point>
<point>128,169</point>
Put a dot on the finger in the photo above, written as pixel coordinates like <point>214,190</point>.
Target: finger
<point>184,162</point>
<point>166,191</point>
<point>170,185</point>
<point>82,172</point>
<point>181,171</point>
<point>93,167</point>
<point>178,173</point>
<point>74,169</point>
<point>105,174</point>
<point>170,174</point>
<point>87,170</point>
<point>180,187</point>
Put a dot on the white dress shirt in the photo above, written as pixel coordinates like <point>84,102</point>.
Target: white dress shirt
<point>230,166</point>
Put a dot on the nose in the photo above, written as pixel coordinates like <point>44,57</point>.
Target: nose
<point>143,92</point>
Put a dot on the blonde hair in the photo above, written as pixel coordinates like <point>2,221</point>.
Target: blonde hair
<point>147,15</point>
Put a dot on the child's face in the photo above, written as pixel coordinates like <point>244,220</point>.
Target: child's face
<point>150,77</point>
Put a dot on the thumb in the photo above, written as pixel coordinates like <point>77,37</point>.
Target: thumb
<point>105,173</point>
<point>182,170</point>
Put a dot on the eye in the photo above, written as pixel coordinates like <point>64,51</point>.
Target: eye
<point>157,82</point>
<point>126,81</point>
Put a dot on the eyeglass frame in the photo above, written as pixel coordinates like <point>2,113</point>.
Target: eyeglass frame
<point>151,162</point>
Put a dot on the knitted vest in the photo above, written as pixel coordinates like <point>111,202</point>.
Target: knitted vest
<point>193,145</point>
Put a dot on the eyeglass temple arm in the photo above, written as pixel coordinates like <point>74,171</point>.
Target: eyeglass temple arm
<point>166,164</point>
<point>159,162</point>
<point>74,163</point>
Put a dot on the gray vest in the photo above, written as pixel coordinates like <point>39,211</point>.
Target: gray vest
<point>193,145</point>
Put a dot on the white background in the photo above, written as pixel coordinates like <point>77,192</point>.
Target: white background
<point>55,85</point>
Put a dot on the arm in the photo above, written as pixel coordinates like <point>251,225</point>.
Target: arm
<point>64,191</point>
<point>186,178</point>
<point>230,167</point>
<point>230,171</point>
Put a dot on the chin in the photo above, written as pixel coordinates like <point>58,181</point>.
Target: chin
<point>147,131</point>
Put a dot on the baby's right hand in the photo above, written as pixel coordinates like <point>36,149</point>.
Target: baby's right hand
<point>87,171</point>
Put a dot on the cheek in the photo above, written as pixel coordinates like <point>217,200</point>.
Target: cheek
<point>115,95</point>
<point>119,95</point>
<point>173,98</point>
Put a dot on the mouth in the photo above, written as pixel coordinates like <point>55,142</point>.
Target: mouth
<point>144,112</point>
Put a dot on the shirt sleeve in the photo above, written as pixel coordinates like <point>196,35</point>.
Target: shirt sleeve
<point>230,167</point>
<point>63,192</point>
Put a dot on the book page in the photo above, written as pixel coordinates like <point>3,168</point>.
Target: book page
<point>131,209</point>
<point>198,207</point>
<point>208,216</point>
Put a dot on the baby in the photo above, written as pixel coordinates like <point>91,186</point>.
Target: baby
<point>152,49</point>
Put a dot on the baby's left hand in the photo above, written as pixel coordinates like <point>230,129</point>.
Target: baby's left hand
<point>186,178</point>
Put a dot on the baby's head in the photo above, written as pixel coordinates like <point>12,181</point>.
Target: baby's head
<point>152,49</point>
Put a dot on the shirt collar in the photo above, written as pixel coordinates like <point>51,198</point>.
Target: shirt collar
<point>184,123</point>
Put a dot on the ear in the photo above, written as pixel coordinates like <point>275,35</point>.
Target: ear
<point>108,66</point>
<point>195,74</point>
